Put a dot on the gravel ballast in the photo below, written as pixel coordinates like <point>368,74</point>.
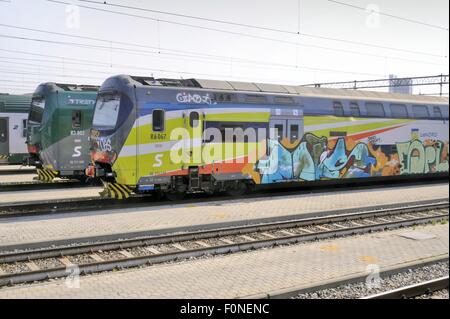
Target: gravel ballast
<point>395,281</point>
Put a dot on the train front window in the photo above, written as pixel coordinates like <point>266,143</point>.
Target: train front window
<point>37,110</point>
<point>76,119</point>
<point>106,111</point>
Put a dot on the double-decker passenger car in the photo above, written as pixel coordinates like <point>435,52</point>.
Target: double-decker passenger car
<point>180,136</point>
<point>13,126</point>
<point>60,122</point>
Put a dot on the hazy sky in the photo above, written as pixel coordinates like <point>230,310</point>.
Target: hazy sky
<point>148,47</point>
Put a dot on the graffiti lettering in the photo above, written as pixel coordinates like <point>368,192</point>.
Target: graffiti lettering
<point>417,158</point>
<point>105,145</point>
<point>313,160</point>
<point>194,98</point>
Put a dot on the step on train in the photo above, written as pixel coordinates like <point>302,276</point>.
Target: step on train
<point>171,137</point>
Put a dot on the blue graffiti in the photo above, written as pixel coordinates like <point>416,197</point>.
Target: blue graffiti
<point>312,160</point>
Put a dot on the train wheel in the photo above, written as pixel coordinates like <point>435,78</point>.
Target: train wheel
<point>237,189</point>
<point>175,196</point>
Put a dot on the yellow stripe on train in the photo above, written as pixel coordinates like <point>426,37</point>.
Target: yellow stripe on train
<point>46,175</point>
<point>115,191</point>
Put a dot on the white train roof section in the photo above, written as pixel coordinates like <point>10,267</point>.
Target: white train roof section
<point>319,92</point>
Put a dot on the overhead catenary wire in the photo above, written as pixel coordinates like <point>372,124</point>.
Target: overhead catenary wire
<point>194,53</point>
<point>141,52</point>
<point>41,67</point>
<point>389,15</point>
<point>232,23</point>
<point>248,34</point>
<point>191,54</point>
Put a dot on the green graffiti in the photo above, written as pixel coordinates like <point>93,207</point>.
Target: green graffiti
<point>416,158</point>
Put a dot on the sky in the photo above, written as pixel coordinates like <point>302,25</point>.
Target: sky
<point>285,42</point>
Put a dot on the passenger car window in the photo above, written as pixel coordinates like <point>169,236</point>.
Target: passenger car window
<point>279,128</point>
<point>354,110</point>
<point>76,119</point>
<point>437,112</point>
<point>375,110</point>
<point>421,111</point>
<point>295,129</point>
<point>158,121</point>
<point>338,109</point>
<point>399,111</point>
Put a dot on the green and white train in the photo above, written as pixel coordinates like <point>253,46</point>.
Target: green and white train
<point>59,127</point>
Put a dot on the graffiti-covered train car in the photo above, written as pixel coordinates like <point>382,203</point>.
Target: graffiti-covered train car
<point>58,133</point>
<point>179,136</point>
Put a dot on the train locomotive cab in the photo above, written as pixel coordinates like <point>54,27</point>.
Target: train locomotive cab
<point>33,137</point>
<point>114,117</point>
<point>136,144</point>
<point>60,122</point>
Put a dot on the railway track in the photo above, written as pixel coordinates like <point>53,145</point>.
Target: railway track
<point>36,208</point>
<point>46,263</point>
<point>415,290</point>
<point>34,186</point>
<point>17,171</point>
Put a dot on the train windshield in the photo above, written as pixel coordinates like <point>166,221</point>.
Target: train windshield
<point>106,111</point>
<point>37,110</point>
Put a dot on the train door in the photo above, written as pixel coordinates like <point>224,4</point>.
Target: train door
<point>4,140</point>
<point>287,125</point>
<point>194,122</point>
<point>286,130</point>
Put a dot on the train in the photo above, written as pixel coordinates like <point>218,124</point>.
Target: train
<point>60,120</point>
<point>13,128</point>
<point>172,137</point>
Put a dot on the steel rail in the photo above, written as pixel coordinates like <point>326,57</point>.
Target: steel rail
<point>197,235</point>
<point>35,186</point>
<point>36,208</point>
<point>412,291</point>
<point>17,171</point>
<point>250,244</point>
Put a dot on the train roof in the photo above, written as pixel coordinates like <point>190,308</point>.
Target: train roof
<point>287,89</point>
<point>52,86</point>
<point>14,103</point>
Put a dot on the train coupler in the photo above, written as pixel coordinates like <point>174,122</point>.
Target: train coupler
<point>115,191</point>
<point>46,175</point>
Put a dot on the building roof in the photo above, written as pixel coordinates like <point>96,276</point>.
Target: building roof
<point>14,103</point>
